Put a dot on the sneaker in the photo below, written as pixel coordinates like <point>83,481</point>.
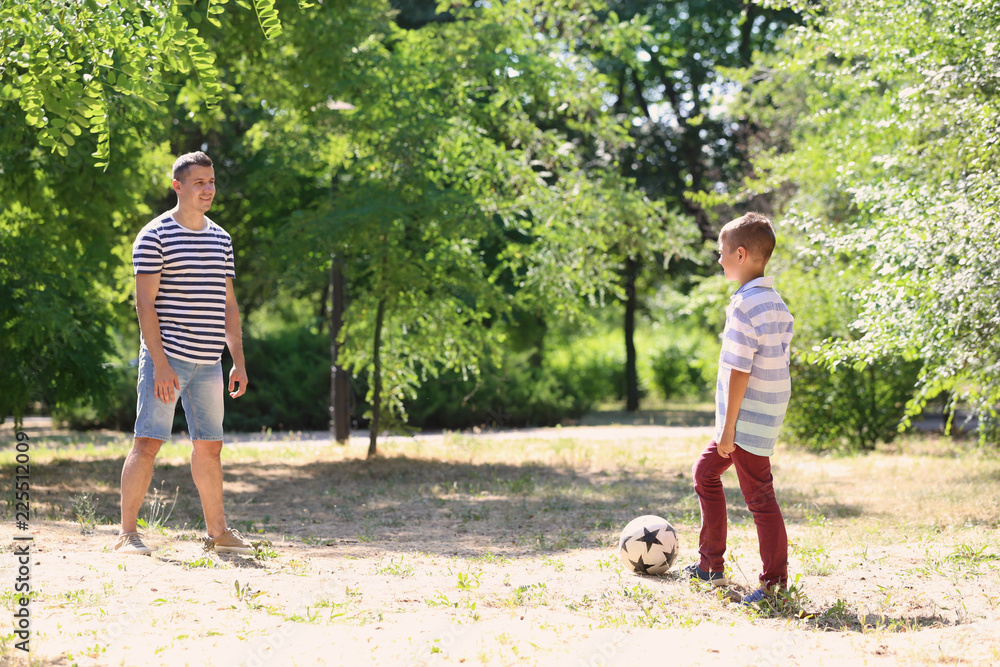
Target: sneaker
<point>231,542</point>
<point>131,543</point>
<point>715,578</point>
<point>762,594</point>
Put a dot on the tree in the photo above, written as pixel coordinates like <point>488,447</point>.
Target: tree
<point>81,83</point>
<point>666,83</point>
<point>884,117</point>
<point>449,196</point>
<point>63,249</point>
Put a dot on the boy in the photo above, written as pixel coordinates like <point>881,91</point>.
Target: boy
<point>752,394</point>
<point>183,265</point>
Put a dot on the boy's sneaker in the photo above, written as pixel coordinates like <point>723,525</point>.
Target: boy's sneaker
<point>231,542</point>
<point>715,578</point>
<point>755,597</point>
<point>131,543</point>
<point>762,594</point>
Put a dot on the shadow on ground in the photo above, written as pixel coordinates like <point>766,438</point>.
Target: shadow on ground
<point>407,503</point>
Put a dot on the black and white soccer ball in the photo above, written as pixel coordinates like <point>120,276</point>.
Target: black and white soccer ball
<point>648,545</point>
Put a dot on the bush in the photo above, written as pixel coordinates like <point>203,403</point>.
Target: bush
<point>590,368</point>
<point>289,385</point>
<point>848,409</point>
<point>114,411</point>
<point>289,389</point>
<point>686,367</point>
<point>516,394</point>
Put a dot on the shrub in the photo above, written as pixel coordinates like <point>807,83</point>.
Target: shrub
<point>116,410</point>
<point>686,367</point>
<point>289,385</point>
<point>848,409</point>
<point>516,394</point>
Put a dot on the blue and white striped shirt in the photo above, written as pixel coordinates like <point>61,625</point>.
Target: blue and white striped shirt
<point>756,341</point>
<point>191,301</point>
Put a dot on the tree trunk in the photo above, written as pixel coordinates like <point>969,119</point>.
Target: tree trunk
<point>631,374</point>
<point>340,426</point>
<point>376,379</point>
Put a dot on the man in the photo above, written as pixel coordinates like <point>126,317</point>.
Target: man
<point>184,270</point>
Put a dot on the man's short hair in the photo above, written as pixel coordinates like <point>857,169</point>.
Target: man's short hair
<point>753,231</point>
<point>188,160</point>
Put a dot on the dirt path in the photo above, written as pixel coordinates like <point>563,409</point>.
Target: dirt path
<point>493,549</point>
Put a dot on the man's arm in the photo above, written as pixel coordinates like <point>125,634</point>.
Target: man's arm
<point>165,379</point>
<point>738,381</point>
<point>234,341</point>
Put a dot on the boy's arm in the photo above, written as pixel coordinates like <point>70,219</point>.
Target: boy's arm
<point>738,381</point>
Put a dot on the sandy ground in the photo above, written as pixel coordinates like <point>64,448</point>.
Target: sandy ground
<point>409,562</point>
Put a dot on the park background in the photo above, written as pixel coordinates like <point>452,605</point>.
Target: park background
<point>522,198</point>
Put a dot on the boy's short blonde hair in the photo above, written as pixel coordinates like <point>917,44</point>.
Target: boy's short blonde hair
<point>754,232</point>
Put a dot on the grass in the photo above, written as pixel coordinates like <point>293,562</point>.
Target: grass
<point>453,531</point>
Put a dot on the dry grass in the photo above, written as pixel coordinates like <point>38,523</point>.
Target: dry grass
<point>500,549</point>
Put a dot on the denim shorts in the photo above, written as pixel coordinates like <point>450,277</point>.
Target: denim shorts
<point>201,395</point>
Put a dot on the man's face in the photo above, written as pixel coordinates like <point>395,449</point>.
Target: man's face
<point>196,190</point>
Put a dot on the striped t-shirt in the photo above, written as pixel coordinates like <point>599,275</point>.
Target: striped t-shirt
<point>756,341</point>
<point>191,301</point>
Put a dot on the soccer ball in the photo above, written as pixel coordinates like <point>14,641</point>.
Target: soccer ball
<point>648,545</point>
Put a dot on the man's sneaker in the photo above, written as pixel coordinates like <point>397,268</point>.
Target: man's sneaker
<point>715,578</point>
<point>231,542</point>
<point>130,543</point>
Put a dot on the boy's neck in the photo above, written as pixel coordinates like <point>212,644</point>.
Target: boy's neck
<point>754,275</point>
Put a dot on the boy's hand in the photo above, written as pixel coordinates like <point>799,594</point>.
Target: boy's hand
<point>727,444</point>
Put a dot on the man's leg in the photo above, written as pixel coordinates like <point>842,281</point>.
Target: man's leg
<point>206,470</point>
<point>152,427</point>
<point>757,485</point>
<point>203,408</point>
<point>707,474</point>
<point>137,473</point>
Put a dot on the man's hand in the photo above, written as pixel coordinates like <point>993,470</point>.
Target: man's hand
<point>237,381</point>
<point>727,444</point>
<point>165,382</point>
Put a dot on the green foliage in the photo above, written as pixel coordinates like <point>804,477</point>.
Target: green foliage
<point>593,365</point>
<point>63,266</point>
<point>66,63</point>
<point>884,118</point>
<point>513,395</point>
<point>684,369</point>
<point>668,79</point>
<point>52,323</point>
<point>847,408</point>
<point>113,408</point>
<point>289,383</point>
<point>457,202</point>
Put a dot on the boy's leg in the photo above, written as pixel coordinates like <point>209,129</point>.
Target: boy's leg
<point>707,473</point>
<point>757,485</point>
